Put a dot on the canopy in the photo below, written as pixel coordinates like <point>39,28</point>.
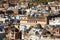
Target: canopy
<point>1,27</point>
<point>17,17</point>
<point>22,27</point>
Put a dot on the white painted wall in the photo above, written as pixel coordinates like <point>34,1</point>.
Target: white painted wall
<point>54,22</point>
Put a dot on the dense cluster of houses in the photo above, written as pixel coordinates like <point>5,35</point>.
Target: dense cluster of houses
<point>18,21</point>
<point>47,16</point>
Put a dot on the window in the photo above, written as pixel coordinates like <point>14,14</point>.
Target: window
<point>53,19</point>
<point>19,11</point>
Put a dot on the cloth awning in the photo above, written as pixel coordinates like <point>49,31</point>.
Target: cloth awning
<point>1,27</point>
<point>23,27</point>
